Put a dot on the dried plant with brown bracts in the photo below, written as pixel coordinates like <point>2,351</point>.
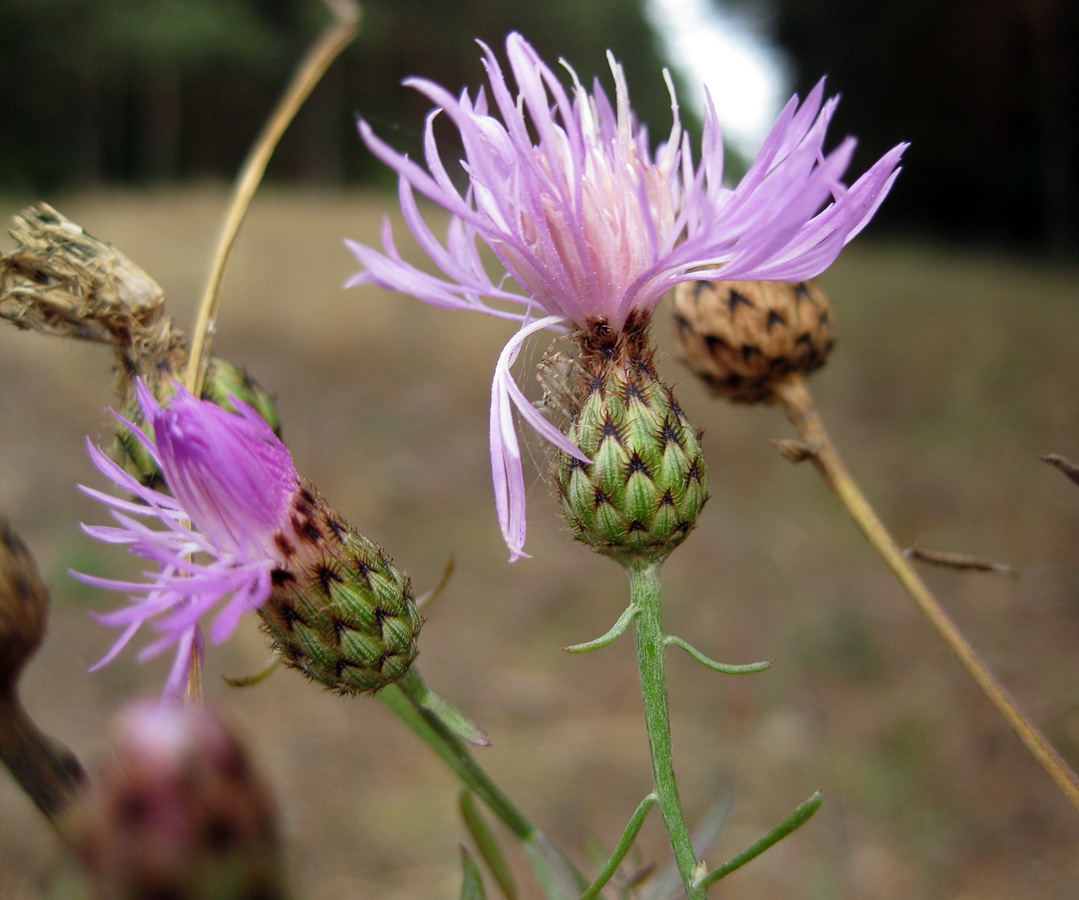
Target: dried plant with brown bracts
<point>743,338</point>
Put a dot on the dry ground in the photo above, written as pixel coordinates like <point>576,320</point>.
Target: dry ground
<point>954,372</point>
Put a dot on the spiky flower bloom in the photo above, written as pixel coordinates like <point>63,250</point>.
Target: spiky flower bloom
<point>225,382</point>
<point>177,811</point>
<point>594,228</point>
<point>242,533</point>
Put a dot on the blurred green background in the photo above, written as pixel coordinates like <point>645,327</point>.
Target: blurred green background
<point>955,369</point>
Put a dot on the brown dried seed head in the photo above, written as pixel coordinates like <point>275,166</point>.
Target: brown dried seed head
<point>743,338</point>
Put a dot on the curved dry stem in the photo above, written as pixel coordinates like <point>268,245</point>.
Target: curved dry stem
<point>334,40</point>
<point>796,399</point>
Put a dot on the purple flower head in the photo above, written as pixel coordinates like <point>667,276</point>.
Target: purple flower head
<point>232,483</point>
<point>589,223</point>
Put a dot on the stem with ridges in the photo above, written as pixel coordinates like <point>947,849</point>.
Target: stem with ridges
<point>796,399</point>
<point>646,596</point>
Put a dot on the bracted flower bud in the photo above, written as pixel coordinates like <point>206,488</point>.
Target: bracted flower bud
<point>744,338</point>
<point>640,495</point>
<point>331,600</point>
<point>339,611</point>
<point>178,811</point>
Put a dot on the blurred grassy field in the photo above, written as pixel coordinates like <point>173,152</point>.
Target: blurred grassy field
<point>954,372</point>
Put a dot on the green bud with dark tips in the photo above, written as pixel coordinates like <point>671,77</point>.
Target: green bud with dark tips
<point>640,496</point>
<point>340,611</point>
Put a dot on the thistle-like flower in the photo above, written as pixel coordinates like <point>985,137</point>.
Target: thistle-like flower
<point>243,533</point>
<point>178,810</point>
<point>594,228</point>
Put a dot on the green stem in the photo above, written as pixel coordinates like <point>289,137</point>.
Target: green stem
<point>409,700</point>
<point>412,701</point>
<point>646,596</point>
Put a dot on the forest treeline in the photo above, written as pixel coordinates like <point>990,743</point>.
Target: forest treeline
<point>138,91</point>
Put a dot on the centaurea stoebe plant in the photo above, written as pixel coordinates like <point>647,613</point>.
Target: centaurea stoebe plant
<point>243,533</point>
<point>594,228</point>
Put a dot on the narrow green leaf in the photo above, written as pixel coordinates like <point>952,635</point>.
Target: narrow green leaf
<point>472,880</point>
<point>487,844</point>
<point>617,630</point>
<point>624,845</point>
<point>455,720</point>
<point>794,821</point>
<point>242,681</point>
<point>726,669</point>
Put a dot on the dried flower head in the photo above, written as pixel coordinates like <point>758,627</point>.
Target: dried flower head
<point>591,225</point>
<point>745,338</point>
<point>243,533</point>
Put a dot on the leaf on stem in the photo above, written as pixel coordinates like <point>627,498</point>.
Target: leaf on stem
<point>624,845</point>
<point>242,681</point>
<point>744,669</point>
<point>455,720</point>
<point>472,881</point>
<point>793,451</point>
<point>617,630</point>
<point>794,821</point>
<point>1065,465</point>
<point>487,844</point>
<point>958,561</point>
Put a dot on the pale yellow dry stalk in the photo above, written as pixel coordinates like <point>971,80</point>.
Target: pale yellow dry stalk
<point>334,39</point>
<point>794,394</point>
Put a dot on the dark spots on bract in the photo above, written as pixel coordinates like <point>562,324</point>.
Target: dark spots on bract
<point>670,434</point>
<point>284,545</point>
<point>667,499</point>
<point>306,529</point>
<point>636,464</point>
<point>326,577</point>
<point>610,430</point>
<point>633,392</point>
<point>280,577</point>
<point>290,617</point>
<point>637,525</point>
<point>774,318</point>
<point>715,343</point>
<point>736,299</point>
<point>339,629</point>
<point>600,498</point>
<point>337,527</point>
